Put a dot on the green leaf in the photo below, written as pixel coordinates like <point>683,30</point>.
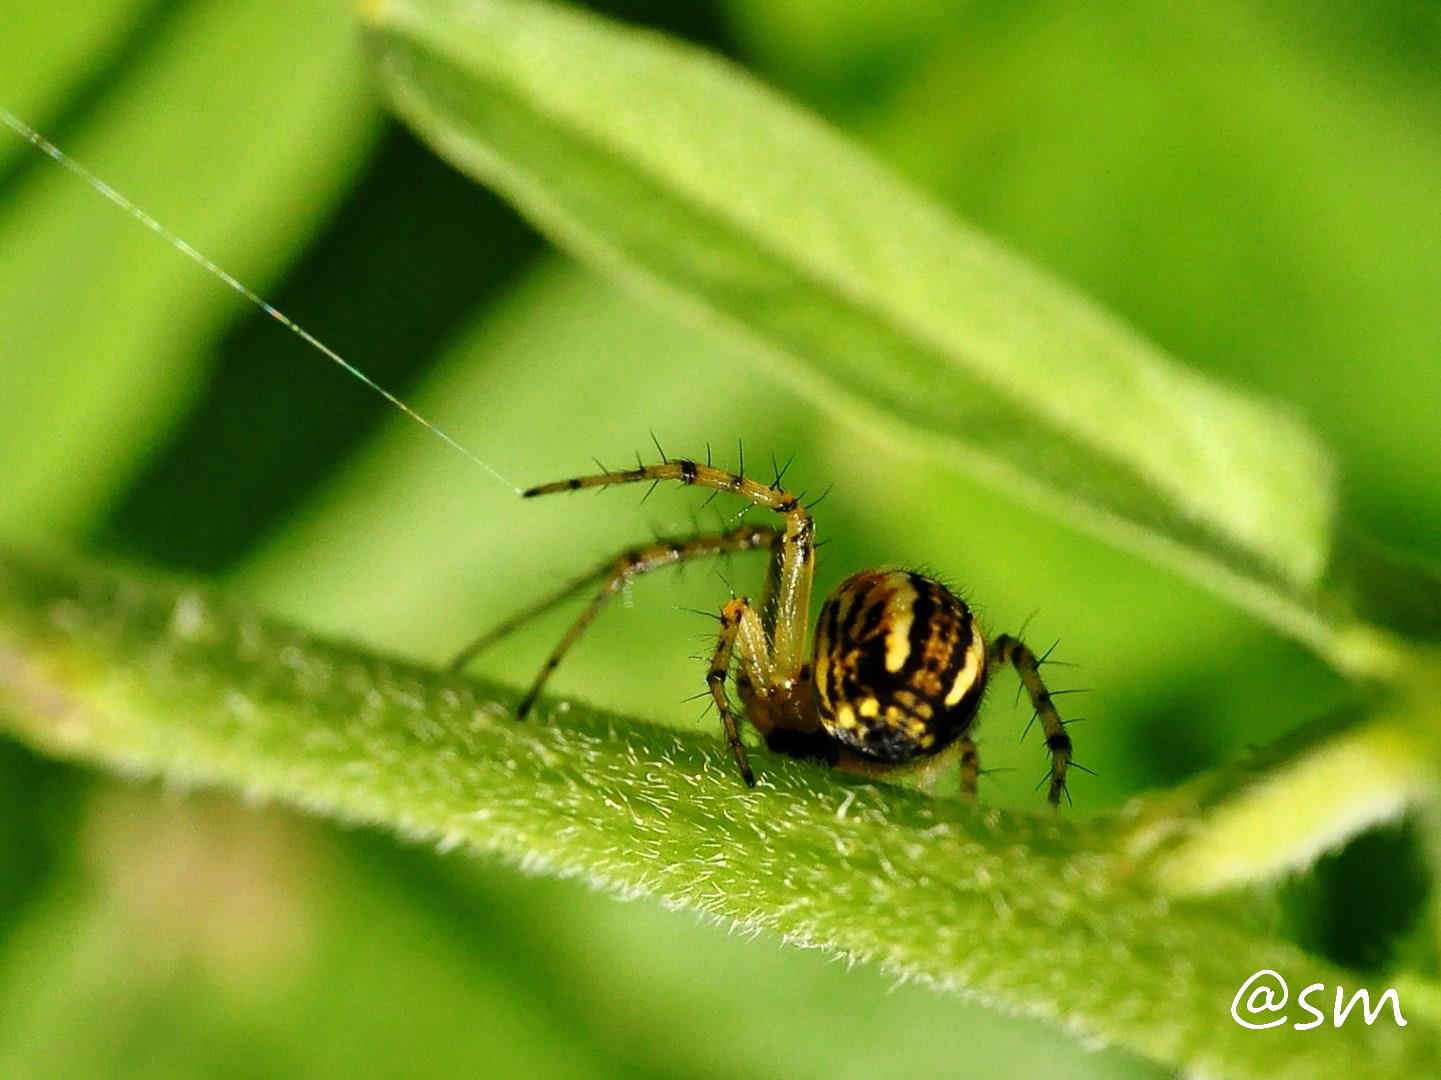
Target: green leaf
<point>688,180</point>
<point>51,48</point>
<point>1279,810</point>
<point>195,937</point>
<point>82,399</point>
<point>1035,913</point>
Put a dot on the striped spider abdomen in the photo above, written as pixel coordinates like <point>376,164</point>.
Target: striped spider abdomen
<point>899,665</point>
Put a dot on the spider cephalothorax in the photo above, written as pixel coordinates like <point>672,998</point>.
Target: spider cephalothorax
<point>897,669</point>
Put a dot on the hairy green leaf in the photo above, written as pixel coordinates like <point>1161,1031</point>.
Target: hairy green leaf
<point>1034,913</point>
<point>683,177</point>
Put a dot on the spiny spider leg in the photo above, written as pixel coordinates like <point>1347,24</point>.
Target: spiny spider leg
<point>740,629</point>
<point>1010,650</point>
<point>683,470</point>
<point>795,550</point>
<point>614,574</point>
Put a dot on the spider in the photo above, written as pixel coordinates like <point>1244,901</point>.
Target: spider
<point>897,670</point>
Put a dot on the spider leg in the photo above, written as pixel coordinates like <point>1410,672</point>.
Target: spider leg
<point>794,560</point>
<point>685,471</point>
<point>614,575</point>
<point>1011,650</point>
<point>970,766</point>
<point>740,630</point>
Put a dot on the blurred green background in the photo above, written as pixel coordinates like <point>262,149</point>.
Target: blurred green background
<point>1253,185</point>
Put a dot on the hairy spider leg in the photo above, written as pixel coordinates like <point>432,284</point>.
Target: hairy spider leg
<point>614,574</point>
<point>740,631</point>
<point>771,644</point>
<point>794,559</point>
<point>1011,650</point>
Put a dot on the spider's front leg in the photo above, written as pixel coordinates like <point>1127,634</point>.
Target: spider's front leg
<point>613,576</point>
<point>741,631</point>
<point>1010,650</point>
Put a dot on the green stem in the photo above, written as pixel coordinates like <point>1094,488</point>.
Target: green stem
<point>1035,913</point>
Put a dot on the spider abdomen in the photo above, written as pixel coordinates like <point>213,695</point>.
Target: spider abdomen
<point>899,665</point>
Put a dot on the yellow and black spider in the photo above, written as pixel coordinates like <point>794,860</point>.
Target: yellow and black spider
<point>895,675</point>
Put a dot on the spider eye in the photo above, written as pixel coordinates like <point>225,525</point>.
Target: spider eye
<point>900,665</point>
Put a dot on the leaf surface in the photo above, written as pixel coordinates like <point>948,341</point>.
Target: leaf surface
<point>1035,913</point>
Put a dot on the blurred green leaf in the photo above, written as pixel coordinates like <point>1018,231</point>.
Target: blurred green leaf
<point>683,177</point>
<point>844,50</point>
<point>199,938</point>
<point>158,680</point>
<point>265,105</point>
<point>1251,183</point>
<point>48,49</point>
<point>1280,809</point>
<point>551,342</point>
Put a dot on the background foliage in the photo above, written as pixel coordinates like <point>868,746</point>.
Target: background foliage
<point>1254,189</point>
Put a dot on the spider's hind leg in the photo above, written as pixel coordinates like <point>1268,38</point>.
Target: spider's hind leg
<point>1011,650</point>
<point>970,766</point>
